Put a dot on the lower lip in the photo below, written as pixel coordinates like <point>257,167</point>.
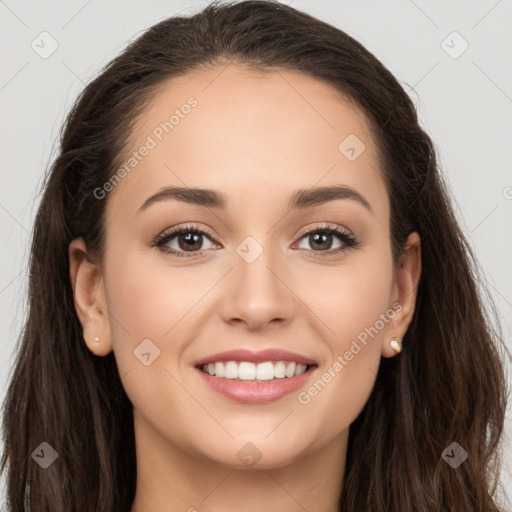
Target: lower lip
<point>256,392</point>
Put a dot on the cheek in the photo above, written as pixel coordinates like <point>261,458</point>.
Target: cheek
<point>139,299</point>
<point>148,319</point>
<point>148,299</point>
<point>357,310</point>
<point>351,299</point>
<point>363,299</point>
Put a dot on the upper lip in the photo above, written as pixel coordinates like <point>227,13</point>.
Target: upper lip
<point>269,354</point>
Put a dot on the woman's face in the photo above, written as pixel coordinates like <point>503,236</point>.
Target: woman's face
<point>255,280</point>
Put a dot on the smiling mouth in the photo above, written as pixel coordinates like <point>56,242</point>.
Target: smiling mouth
<point>245,371</point>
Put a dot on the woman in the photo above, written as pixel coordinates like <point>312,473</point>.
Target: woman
<point>324,345</point>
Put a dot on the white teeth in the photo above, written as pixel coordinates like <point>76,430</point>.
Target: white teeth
<point>231,371</point>
<point>265,371</point>
<point>245,370</point>
<point>219,370</point>
<point>301,368</point>
<point>279,370</point>
<point>290,370</point>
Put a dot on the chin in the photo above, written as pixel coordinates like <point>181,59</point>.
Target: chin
<point>254,453</point>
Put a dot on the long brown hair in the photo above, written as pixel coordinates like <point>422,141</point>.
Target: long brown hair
<point>448,384</point>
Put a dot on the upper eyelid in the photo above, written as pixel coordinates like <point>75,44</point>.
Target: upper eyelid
<point>176,230</point>
<point>319,227</point>
<point>171,232</point>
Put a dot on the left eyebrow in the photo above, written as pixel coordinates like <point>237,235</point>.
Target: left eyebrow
<point>300,199</point>
<point>306,198</point>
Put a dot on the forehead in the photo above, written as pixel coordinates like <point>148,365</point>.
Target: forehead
<point>250,134</point>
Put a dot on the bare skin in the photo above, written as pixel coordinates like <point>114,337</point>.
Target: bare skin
<point>256,138</point>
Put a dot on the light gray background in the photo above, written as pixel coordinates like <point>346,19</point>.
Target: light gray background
<point>464,103</point>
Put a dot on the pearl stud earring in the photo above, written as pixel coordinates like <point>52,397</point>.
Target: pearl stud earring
<point>396,345</point>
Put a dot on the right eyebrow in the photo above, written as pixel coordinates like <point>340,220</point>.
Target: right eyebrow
<point>201,197</point>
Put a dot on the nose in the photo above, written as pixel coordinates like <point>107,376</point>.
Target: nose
<point>258,294</point>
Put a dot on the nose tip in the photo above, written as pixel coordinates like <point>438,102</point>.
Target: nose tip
<point>257,295</point>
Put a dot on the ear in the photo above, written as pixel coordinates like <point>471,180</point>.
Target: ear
<point>404,292</point>
<point>89,298</point>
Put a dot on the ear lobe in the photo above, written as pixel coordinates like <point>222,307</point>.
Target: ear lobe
<point>405,291</point>
<point>89,298</point>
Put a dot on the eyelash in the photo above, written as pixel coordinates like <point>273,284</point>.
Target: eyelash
<point>349,241</point>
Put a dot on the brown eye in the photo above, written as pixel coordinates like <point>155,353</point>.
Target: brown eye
<point>321,239</point>
<point>189,241</point>
<point>184,241</point>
